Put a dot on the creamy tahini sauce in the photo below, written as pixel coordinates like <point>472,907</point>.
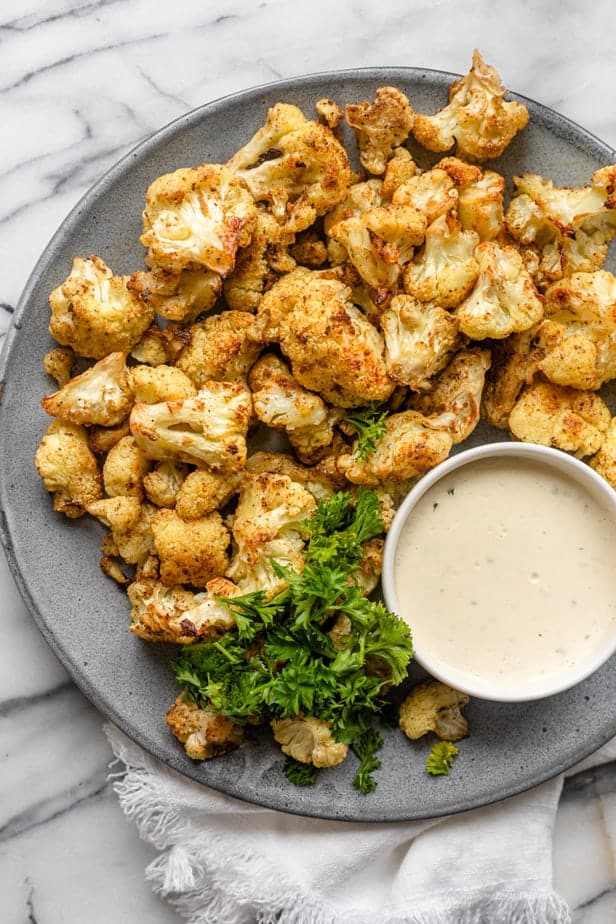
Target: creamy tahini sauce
<point>506,571</point>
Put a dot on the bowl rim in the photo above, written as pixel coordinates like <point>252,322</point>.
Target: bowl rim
<point>585,476</point>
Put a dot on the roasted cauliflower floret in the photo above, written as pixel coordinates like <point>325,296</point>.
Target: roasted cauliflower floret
<point>202,492</point>
<point>209,428</point>
<point>504,299</point>
<point>68,468</point>
<point>130,523</point>
<point>400,168</point>
<point>220,348</point>
<point>418,339</point>
<point>150,385</point>
<point>477,116</point>
<point>204,734</point>
<point>292,158</point>
<point>578,334</point>
<point>125,468</point>
<point>177,296</point>
<point>329,110</point>
<point>160,346</point>
<point>604,462</point>
<point>434,707</point>
<point>260,263</point>
<point>432,193</point>
<point>332,348</point>
<point>380,241</point>
<point>380,126</point>
<point>268,525</point>
<point>281,403</point>
<point>309,740</point>
<point>163,483</point>
<point>515,363</point>
<point>58,363</point>
<point>102,439</point>
<point>197,216</point>
<point>445,270</point>
<point>480,206</point>
<point>157,611</point>
<point>409,447</point>
<point>190,551</point>
<point>564,418</point>
<point>453,401</point>
<point>100,395</point>
<point>317,479</point>
<point>94,312</point>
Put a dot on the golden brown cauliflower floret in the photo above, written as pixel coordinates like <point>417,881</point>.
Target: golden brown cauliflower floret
<point>159,347</point>
<point>177,296</point>
<point>504,299</point>
<point>332,348</point>
<point>380,126</point>
<point>197,216</point>
<point>604,462</point>
<point>102,439</point>
<point>477,116</point>
<point>93,311</point>
<point>292,159</point>
<point>434,707</point>
<point>58,363</point>
<point>175,614</point>
<point>204,734</point>
<point>579,331</point>
<point>564,418</point>
<point>68,468</point>
<point>331,113</point>
<point>515,363</point>
<point>400,168</point>
<point>202,492</point>
<point>101,395</point>
<point>480,206</point>
<point>124,469</point>
<point>259,264</point>
<point>309,740</point>
<point>445,270</point>
<point>130,523</point>
<point>268,525</point>
<point>432,193</point>
<point>453,401</point>
<point>190,551</point>
<point>418,339</point>
<point>281,403</point>
<point>209,428</point>
<point>220,348</point>
<point>317,479</point>
<point>163,483</point>
<point>159,383</point>
<point>409,447</point>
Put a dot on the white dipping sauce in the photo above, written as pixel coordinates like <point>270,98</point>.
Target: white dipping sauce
<point>506,572</point>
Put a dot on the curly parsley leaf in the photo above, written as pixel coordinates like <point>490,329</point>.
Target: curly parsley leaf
<point>369,424</point>
<point>365,747</point>
<point>441,758</point>
<point>300,774</point>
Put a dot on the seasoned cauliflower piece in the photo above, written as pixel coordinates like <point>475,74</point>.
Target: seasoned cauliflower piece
<point>220,348</point>
<point>564,418</point>
<point>409,447</point>
<point>202,492</point>
<point>124,469</point>
<point>418,339</point>
<point>400,168</point>
<point>204,734</point>
<point>380,126</point>
<point>177,296</point>
<point>58,363</point>
<point>160,347</point>
<point>94,312</point>
<point>332,348</point>
<point>157,611</point>
<point>432,193</point>
<point>190,551</point>
<point>515,363</point>
<point>281,403</point>
<point>578,334</point>
<point>207,618</point>
<point>445,270</point>
<point>292,158</point>
<point>604,462</point>
<point>504,299</point>
<point>163,483</point>
<point>317,479</point>
<point>331,113</point>
<point>453,401</point>
<point>370,567</point>
<point>100,395</point>
<point>309,740</point>
<point>310,250</point>
<point>68,468</point>
<point>259,264</point>
<point>159,383</point>
<point>209,428</point>
<point>130,523</point>
<point>102,439</point>
<point>380,241</point>
<point>197,216</point>
<point>268,525</point>
<point>434,707</point>
<point>477,116</point>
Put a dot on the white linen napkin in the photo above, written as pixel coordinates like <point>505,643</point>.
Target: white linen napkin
<point>223,861</point>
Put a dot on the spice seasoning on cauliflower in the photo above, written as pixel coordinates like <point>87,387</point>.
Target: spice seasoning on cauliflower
<point>453,400</point>
<point>380,126</point>
<point>190,551</point>
<point>220,349</point>
<point>204,734</point>
<point>419,338</point>
<point>100,395</point>
<point>68,468</point>
<point>434,707</point>
<point>177,296</point>
<point>124,469</point>
<point>445,270</point>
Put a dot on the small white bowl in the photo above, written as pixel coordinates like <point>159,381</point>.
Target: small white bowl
<point>453,674</point>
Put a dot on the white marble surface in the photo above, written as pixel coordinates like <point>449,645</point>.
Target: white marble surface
<point>81,83</point>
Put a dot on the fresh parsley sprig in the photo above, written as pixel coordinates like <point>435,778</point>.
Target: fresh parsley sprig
<point>441,758</point>
<point>369,424</point>
<point>365,748</point>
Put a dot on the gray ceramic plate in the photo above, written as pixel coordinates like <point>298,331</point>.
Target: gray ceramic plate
<point>84,617</point>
